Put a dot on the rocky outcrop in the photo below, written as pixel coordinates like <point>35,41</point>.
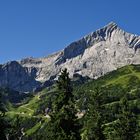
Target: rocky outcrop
<point>92,56</point>
<point>14,76</point>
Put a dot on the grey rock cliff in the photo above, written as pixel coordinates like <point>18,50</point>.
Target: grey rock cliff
<point>14,76</point>
<point>92,56</point>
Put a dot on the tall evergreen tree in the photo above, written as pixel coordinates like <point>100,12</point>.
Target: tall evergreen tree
<point>3,124</point>
<point>94,117</point>
<point>16,131</point>
<point>126,127</point>
<point>64,122</point>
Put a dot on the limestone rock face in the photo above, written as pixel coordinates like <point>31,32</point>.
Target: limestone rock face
<point>14,76</point>
<point>92,56</point>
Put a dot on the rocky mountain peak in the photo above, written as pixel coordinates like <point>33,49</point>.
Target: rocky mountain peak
<point>92,56</point>
<point>11,63</point>
<point>78,47</point>
<point>14,76</point>
<point>111,24</point>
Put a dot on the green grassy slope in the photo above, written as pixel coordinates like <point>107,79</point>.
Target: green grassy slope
<point>32,112</point>
<point>115,84</point>
<point>113,87</point>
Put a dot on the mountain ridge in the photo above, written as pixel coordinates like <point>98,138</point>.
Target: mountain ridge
<point>92,56</point>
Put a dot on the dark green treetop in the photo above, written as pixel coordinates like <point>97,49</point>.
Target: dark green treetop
<point>64,122</point>
<point>126,127</point>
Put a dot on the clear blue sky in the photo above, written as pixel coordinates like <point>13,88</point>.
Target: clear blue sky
<point>40,27</point>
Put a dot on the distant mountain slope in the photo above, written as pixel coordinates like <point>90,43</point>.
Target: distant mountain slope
<point>14,76</point>
<point>13,97</point>
<point>92,56</point>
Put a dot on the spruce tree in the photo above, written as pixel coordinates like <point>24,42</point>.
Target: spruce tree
<point>63,123</point>
<point>16,131</point>
<point>3,124</point>
<point>126,127</point>
<point>94,117</point>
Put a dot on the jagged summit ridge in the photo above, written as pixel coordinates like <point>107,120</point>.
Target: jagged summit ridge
<point>92,56</point>
<point>112,23</point>
<point>106,31</point>
<point>78,47</point>
<point>110,33</point>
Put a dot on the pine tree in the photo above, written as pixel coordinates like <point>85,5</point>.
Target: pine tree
<point>126,127</point>
<point>64,122</point>
<point>94,117</point>
<point>3,124</point>
<point>16,131</point>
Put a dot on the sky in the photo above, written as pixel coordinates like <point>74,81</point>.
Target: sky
<point>37,28</point>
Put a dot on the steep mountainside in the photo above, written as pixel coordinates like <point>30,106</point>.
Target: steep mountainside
<point>14,76</point>
<point>92,56</point>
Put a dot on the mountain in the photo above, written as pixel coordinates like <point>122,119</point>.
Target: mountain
<point>94,55</point>
<point>14,76</point>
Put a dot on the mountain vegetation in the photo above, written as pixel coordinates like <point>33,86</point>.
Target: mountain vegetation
<point>63,122</point>
<point>104,109</point>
